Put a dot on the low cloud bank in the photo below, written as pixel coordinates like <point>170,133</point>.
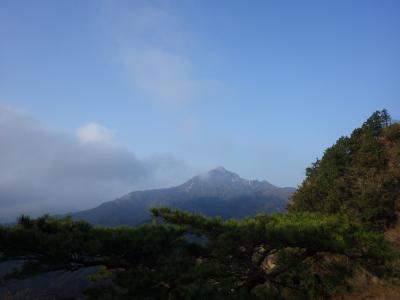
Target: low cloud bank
<point>43,171</point>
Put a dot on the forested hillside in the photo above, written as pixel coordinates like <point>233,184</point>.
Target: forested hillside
<point>335,232</point>
<point>358,176</point>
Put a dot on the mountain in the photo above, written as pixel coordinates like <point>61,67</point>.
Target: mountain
<point>218,192</point>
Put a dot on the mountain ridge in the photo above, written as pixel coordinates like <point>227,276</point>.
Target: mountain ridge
<point>216,192</point>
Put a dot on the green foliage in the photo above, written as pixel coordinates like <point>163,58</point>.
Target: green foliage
<point>265,256</point>
<point>62,244</point>
<point>355,176</point>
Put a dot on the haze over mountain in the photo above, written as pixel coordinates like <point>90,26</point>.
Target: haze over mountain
<point>218,192</point>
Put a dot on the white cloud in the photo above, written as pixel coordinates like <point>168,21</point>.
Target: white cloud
<point>94,132</point>
<point>43,171</point>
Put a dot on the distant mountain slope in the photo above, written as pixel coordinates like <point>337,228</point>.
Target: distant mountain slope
<point>217,192</point>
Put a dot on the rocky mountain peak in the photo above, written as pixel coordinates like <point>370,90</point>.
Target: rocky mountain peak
<point>219,174</point>
<point>220,181</point>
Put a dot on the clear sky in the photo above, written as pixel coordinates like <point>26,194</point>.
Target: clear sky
<point>260,87</point>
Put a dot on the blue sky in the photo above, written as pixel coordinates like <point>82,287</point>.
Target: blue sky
<point>260,87</point>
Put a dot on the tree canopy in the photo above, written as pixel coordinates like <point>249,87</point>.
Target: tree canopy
<point>359,175</point>
<point>191,256</point>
